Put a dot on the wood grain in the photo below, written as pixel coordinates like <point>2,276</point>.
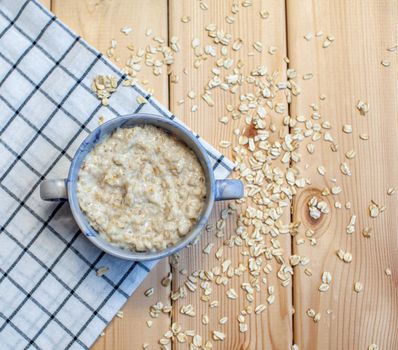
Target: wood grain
<point>273,328</point>
<point>98,22</point>
<point>347,71</point>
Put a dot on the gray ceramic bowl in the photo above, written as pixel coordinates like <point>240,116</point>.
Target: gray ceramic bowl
<point>56,190</point>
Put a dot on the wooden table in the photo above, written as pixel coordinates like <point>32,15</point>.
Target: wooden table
<point>348,70</point>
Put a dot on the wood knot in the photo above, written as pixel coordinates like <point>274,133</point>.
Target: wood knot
<point>251,131</point>
<point>314,210</point>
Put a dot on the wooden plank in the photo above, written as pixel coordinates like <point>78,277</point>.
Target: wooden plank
<point>345,72</point>
<point>272,329</point>
<point>98,22</point>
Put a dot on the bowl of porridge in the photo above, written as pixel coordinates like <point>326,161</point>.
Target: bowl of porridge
<point>141,187</point>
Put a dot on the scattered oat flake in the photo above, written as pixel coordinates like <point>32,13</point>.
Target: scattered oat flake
<point>363,107</point>
<point>141,99</point>
<point>165,282</point>
<point>264,14</point>
<point>347,128</point>
<point>102,271</point>
<point>317,317</point>
<point>225,144</point>
<point>345,169</point>
<point>223,320</point>
<point>321,170</point>
<point>324,287</point>
<point>149,292</point>
<point>326,43</point>
<point>271,299</point>
<point>247,3</point>
<point>350,154</point>
<point>391,191</point>
<point>229,19</point>
<point>366,232</point>
<point>195,43</point>
<point>347,257</point>
<point>310,148</point>
<point>188,310</point>
<point>374,210</point>
<point>258,46</point>
<point>385,63</point>
<point>217,335</point>
<point>351,226</point>
<point>223,119</point>
<point>317,208</point>
<point>237,44</point>
<point>231,294</point>
<point>208,99</point>
<point>344,256</point>
<point>243,327</point>
<point>336,190</point>
<point>388,272</point>
<point>208,248</point>
<point>191,94</point>
<point>120,314</point>
<point>126,30</point>
<point>326,277</point>
<point>373,347</point>
<point>259,309</point>
<point>311,313</point>
<point>272,50</point>
<point>358,287</point>
<point>308,36</point>
<point>364,136</point>
<point>197,340</point>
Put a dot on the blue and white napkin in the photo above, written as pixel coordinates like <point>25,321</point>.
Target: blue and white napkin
<point>50,295</point>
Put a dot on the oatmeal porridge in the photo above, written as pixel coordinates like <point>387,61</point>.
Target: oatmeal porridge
<point>141,189</point>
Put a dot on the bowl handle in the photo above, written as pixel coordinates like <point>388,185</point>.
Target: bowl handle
<point>229,189</point>
<point>53,190</point>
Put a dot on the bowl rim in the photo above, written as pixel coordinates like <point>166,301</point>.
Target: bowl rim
<point>94,138</point>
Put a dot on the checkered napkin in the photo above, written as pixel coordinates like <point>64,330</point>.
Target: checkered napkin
<point>50,295</point>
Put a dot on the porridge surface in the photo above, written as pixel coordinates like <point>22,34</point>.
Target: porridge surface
<point>141,189</point>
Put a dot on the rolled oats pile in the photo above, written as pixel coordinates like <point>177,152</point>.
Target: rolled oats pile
<point>104,86</point>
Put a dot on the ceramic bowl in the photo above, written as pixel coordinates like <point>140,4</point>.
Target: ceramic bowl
<point>65,189</point>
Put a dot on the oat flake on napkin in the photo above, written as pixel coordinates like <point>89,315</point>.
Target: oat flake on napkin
<point>50,295</point>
